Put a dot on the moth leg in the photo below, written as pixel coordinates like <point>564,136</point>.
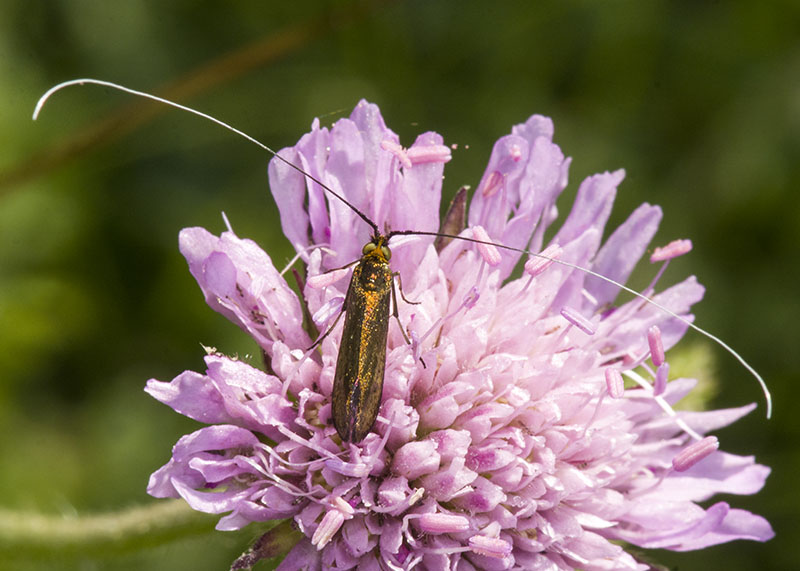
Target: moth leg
<point>322,337</point>
<point>395,312</point>
<point>400,281</point>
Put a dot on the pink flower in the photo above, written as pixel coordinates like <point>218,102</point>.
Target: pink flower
<point>516,445</point>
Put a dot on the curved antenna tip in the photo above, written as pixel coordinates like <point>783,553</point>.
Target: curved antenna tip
<point>47,94</point>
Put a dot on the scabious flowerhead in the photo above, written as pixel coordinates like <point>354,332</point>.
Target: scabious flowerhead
<point>507,438</point>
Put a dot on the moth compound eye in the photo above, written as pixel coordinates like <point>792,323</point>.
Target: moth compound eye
<point>387,253</point>
<point>368,247</point>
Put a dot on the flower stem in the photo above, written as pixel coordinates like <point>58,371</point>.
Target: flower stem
<point>29,534</point>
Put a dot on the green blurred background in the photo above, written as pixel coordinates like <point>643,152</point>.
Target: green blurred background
<point>698,101</point>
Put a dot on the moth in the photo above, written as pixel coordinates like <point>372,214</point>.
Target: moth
<point>371,300</point>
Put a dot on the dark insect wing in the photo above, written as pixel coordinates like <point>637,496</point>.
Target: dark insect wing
<point>358,381</point>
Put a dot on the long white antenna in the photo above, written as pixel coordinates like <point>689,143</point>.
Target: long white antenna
<point>622,286</point>
<point>43,99</point>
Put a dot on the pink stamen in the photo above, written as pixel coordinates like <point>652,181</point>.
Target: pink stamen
<point>470,299</point>
<point>416,344</point>
<point>350,469</point>
<point>493,183</point>
<point>672,250</point>
<point>489,546</point>
<point>398,151</point>
<point>515,152</point>
<point>660,384</point>
<point>490,253</point>
<point>340,504</point>
<point>416,496</point>
<point>538,264</point>
<point>327,528</point>
<point>695,452</point>
<point>589,297</point>
<point>614,383</point>
<point>596,412</point>
<point>443,523</point>
<point>330,308</point>
<point>578,320</point>
<point>429,154</point>
<point>656,345</point>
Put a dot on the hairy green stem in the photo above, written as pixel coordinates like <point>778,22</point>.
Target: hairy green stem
<point>30,534</point>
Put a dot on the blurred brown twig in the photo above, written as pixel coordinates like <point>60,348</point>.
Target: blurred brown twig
<point>131,116</point>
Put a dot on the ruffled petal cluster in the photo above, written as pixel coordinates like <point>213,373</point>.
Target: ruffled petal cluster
<point>505,439</point>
